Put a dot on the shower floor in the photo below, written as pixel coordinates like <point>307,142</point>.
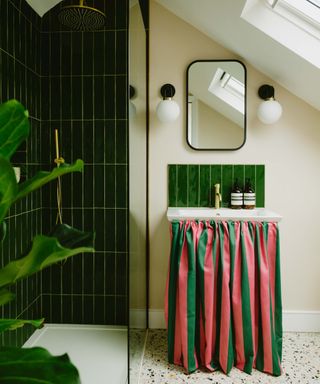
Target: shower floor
<point>99,352</point>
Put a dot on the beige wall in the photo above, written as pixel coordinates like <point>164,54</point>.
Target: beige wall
<point>289,149</point>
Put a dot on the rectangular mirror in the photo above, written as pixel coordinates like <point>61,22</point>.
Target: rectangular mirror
<point>216,104</point>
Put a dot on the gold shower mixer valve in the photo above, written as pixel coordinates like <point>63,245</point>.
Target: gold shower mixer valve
<point>59,161</point>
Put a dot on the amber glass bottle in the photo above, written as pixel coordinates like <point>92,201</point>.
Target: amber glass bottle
<point>236,196</point>
<point>249,196</point>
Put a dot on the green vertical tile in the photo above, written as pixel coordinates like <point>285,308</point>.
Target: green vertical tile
<point>77,303</point>
<point>121,237</point>
<point>226,184</point>
<point>98,308</point>
<point>66,309</point>
<point>109,218</point>
<point>260,183</point>
<point>110,309</point>
<point>88,189</point>
<point>215,178</point>
<point>238,173</point>
<point>99,186</point>
<point>88,276</point>
<point>205,187</point>
<point>109,186</point>
<point>172,185</point>
<point>250,173</point>
<point>100,229</point>
<point>182,186</point>
<point>121,186</point>
<point>110,273</point>
<point>193,185</point>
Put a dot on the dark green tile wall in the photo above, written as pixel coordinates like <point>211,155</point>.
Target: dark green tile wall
<point>84,95</point>
<point>192,185</point>
<point>76,82</point>
<point>20,79</point>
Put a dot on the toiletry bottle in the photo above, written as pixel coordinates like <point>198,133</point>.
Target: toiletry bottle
<point>249,196</point>
<point>236,196</point>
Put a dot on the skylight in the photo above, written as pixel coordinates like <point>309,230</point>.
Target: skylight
<point>293,23</point>
<point>304,13</point>
<point>228,88</point>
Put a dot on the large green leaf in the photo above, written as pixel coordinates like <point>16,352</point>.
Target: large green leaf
<point>41,178</point>
<point>14,127</point>
<point>45,251</point>
<point>12,324</point>
<point>6,296</point>
<point>35,366</point>
<point>8,187</point>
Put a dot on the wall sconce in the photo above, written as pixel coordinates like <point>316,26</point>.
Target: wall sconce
<point>132,107</point>
<point>168,110</point>
<point>270,110</point>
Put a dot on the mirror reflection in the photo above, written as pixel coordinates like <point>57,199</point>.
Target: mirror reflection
<point>216,104</point>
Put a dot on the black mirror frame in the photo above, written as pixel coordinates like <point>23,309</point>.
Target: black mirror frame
<point>245,105</point>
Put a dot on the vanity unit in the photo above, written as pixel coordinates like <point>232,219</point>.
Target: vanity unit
<point>223,297</point>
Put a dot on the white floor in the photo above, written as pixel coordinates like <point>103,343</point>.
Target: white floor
<point>99,352</point>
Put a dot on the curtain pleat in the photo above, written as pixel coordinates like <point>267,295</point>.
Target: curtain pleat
<point>223,296</point>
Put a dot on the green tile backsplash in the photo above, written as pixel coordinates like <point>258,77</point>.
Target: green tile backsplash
<point>192,185</point>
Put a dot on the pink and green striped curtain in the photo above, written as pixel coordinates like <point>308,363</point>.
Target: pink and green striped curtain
<point>223,297</point>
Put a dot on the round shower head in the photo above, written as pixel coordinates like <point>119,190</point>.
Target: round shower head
<point>81,18</point>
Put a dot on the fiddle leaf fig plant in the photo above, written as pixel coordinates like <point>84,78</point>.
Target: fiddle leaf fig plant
<point>32,365</point>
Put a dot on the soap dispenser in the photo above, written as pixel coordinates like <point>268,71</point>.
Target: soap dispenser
<point>236,196</point>
<point>249,196</point>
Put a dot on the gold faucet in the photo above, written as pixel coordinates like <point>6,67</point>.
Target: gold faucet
<point>217,196</point>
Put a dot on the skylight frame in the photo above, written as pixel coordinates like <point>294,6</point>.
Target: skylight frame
<point>261,15</point>
<point>305,14</point>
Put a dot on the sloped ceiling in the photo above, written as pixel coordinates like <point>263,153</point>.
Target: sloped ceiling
<point>220,20</point>
<point>42,6</point>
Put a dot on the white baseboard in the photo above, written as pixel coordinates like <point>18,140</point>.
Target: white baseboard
<point>301,321</point>
<point>293,321</point>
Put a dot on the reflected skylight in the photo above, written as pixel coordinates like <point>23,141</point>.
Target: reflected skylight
<point>228,88</point>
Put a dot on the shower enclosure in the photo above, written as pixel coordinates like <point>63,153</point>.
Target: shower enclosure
<point>76,82</point>
<point>138,144</point>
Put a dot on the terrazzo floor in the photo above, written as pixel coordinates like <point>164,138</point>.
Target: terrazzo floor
<point>301,364</point>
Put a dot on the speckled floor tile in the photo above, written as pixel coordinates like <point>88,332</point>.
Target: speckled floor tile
<point>301,364</point>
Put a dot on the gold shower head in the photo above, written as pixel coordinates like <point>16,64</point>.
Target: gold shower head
<point>81,17</point>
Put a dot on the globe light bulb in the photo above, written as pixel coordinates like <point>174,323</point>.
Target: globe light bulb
<point>168,110</point>
<point>269,111</point>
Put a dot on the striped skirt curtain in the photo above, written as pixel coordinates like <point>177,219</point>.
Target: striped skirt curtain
<point>223,298</point>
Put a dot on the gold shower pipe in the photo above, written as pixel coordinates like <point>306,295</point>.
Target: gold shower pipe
<point>58,160</point>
